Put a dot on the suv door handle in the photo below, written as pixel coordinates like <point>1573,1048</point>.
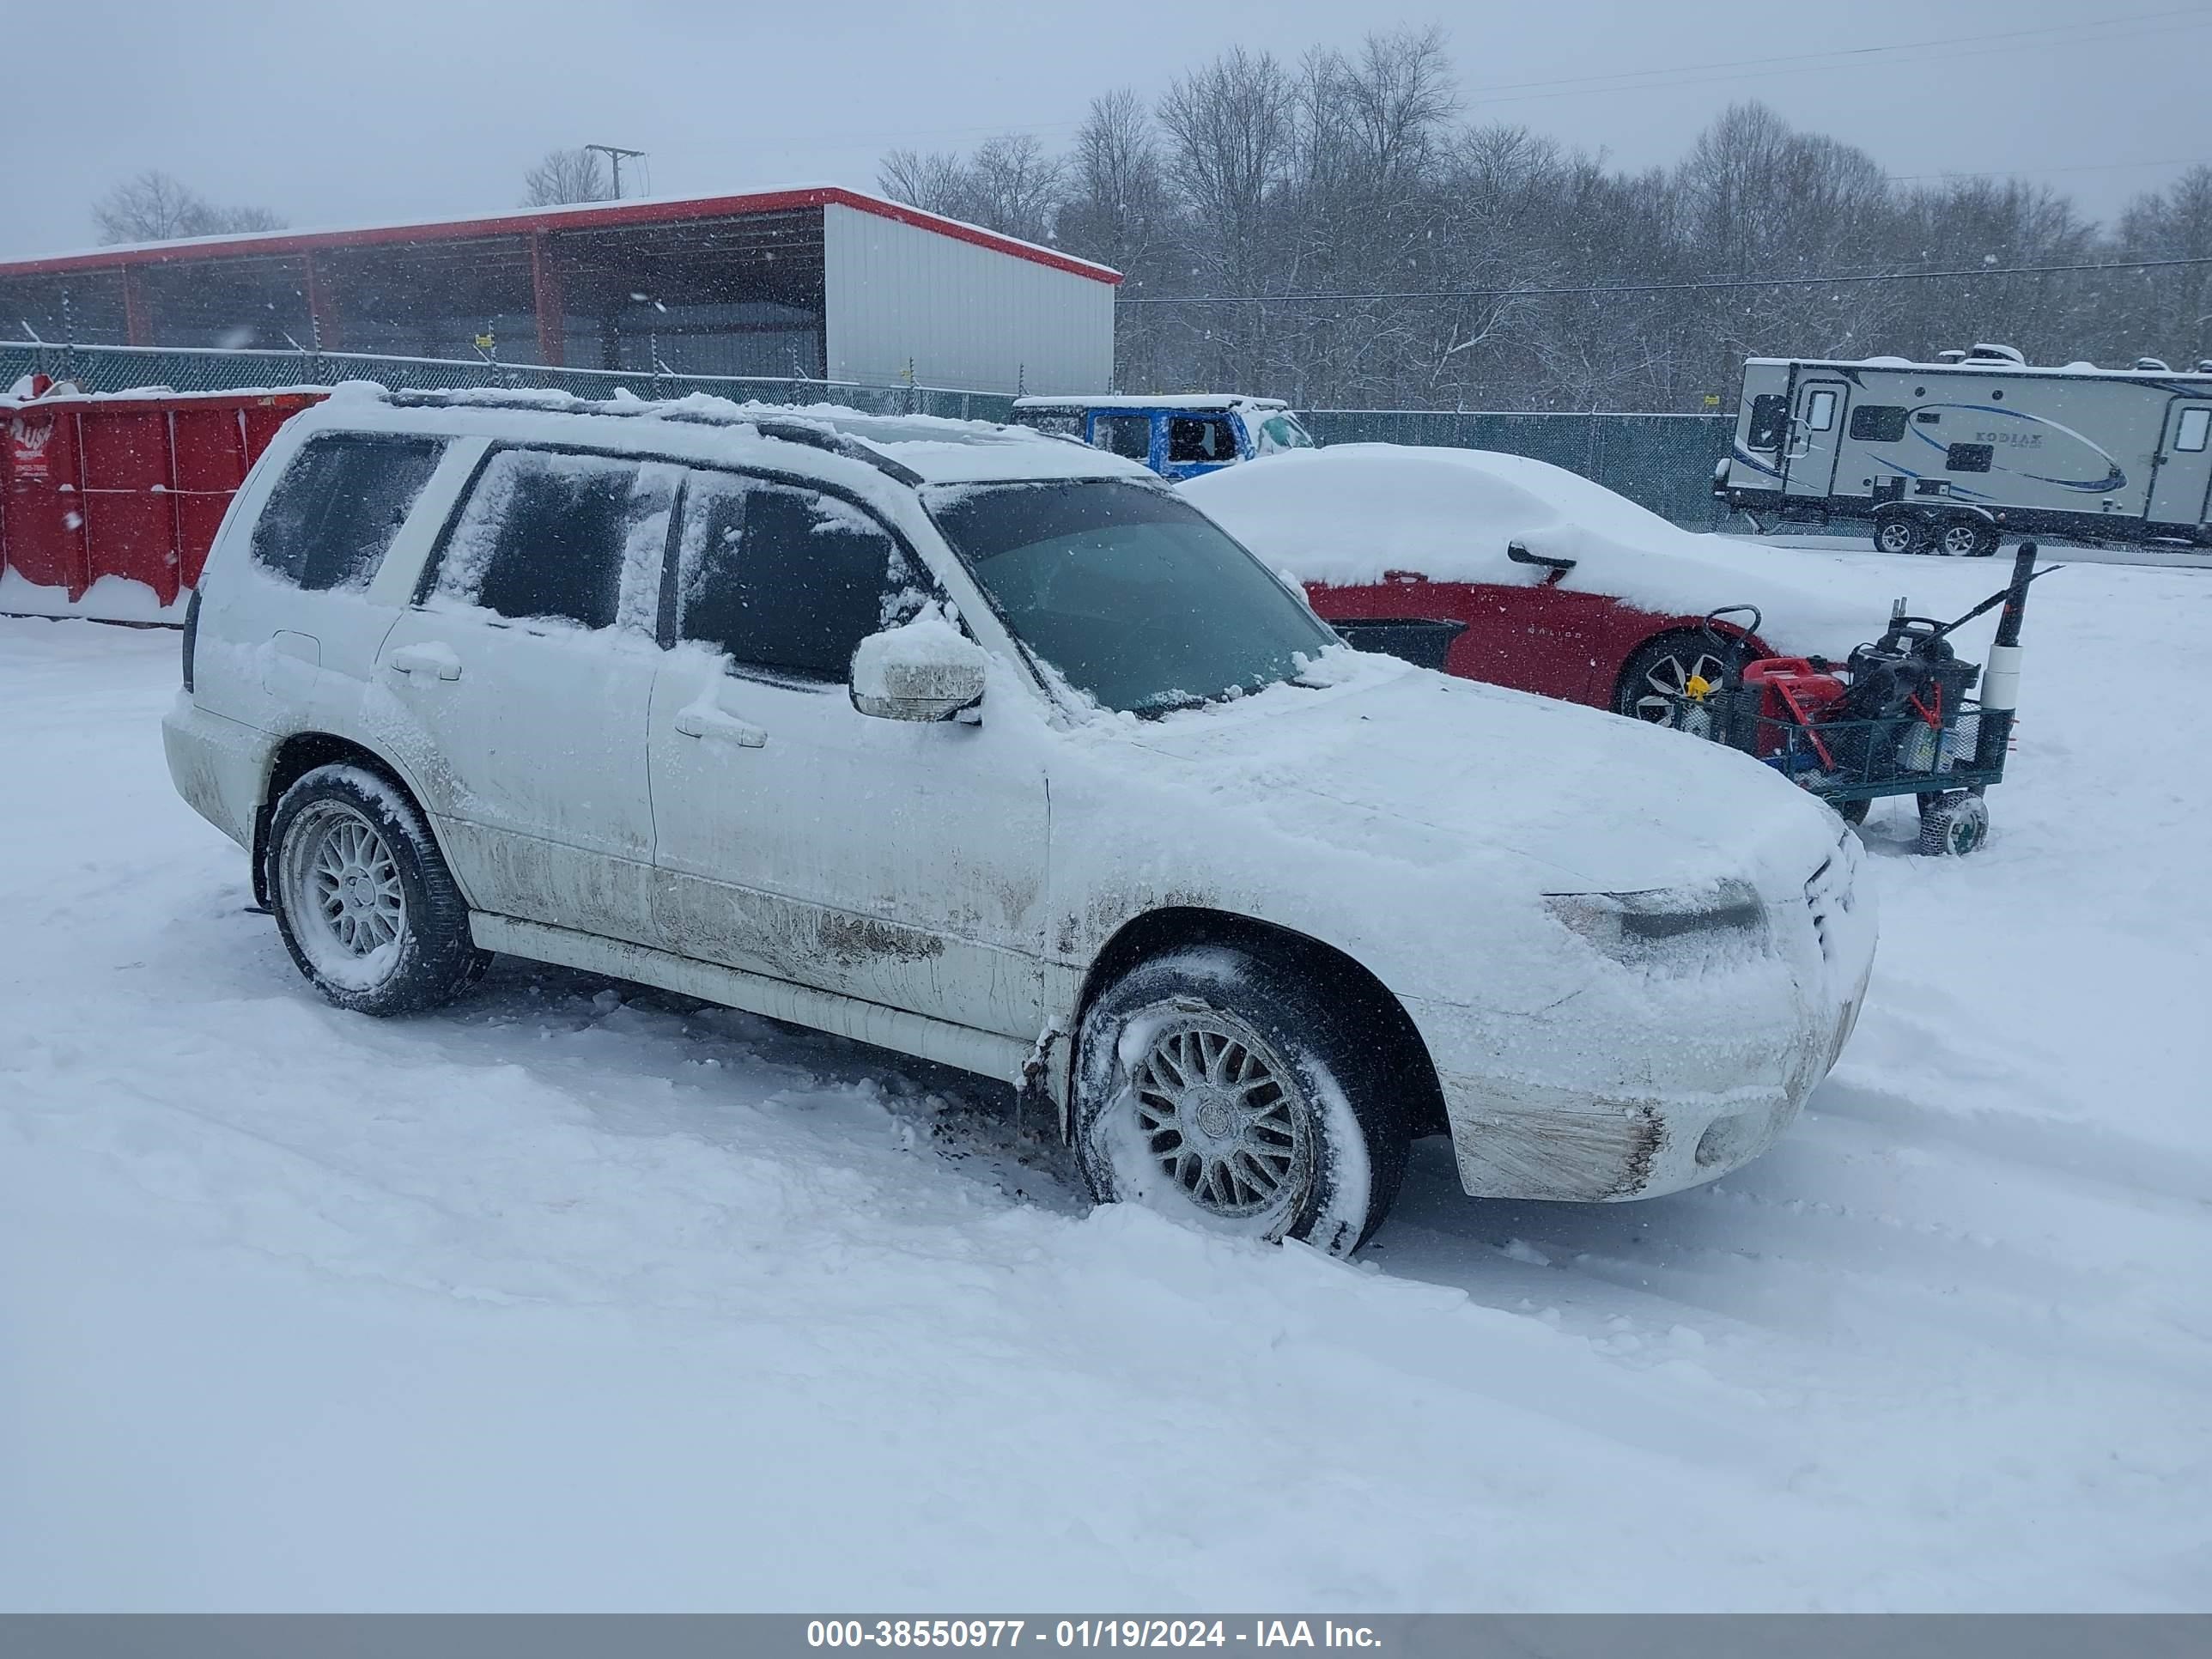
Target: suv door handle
<point>433,659</point>
<point>726,728</point>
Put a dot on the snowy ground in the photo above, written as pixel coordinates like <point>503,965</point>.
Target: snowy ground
<point>573,1298</point>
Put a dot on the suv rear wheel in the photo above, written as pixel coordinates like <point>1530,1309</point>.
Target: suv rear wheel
<point>362,896</point>
<point>1222,1085</point>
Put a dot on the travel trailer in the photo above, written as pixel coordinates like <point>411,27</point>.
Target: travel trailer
<point>1952,456</point>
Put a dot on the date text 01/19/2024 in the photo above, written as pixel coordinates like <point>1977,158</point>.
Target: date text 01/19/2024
<point>1087,1633</point>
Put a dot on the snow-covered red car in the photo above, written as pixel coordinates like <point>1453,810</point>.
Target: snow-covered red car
<point>967,742</point>
<point>1563,587</point>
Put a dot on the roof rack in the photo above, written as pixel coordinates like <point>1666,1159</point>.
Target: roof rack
<point>791,429</point>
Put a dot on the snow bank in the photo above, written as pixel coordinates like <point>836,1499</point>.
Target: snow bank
<point>110,598</point>
<point>573,1296</point>
<point>1346,515</point>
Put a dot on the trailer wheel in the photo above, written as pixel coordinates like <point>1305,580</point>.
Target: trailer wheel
<point>1853,812</point>
<point>1896,534</point>
<point>1967,538</point>
<point>1954,826</point>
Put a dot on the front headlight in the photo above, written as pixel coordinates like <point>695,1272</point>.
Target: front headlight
<point>1668,923</point>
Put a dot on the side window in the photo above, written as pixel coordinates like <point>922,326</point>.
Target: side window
<point>1819,410</point>
<point>1968,458</point>
<point>2190,432</point>
<point>1191,439</point>
<point>1127,435</point>
<point>1878,423</point>
<point>1062,424</point>
<point>1768,415</point>
<point>787,578</point>
<point>331,516</point>
<point>1280,432</point>
<point>563,537</point>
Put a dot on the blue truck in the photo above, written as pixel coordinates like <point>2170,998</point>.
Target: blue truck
<point>1179,436</point>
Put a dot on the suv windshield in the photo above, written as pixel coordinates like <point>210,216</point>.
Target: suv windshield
<point>1131,592</point>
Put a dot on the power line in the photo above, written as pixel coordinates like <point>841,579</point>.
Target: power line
<point>2034,172</point>
<point>1833,279</point>
<point>1840,56</point>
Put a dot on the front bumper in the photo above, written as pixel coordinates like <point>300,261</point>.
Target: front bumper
<point>1655,1081</point>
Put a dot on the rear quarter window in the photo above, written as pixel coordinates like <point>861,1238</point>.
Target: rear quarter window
<point>341,500</point>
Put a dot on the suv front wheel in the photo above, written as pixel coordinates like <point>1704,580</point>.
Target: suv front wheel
<point>1218,1085</point>
<point>362,896</point>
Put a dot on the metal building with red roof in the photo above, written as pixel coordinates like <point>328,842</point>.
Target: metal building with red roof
<point>813,281</point>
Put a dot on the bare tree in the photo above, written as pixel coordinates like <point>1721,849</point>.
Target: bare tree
<point>566,175</point>
<point>1344,239</point>
<point>935,181</point>
<point>1016,187</point>
<point>1009,185</point>
<point>154,207</point>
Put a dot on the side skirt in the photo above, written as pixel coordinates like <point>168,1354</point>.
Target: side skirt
<point>984,1053</point>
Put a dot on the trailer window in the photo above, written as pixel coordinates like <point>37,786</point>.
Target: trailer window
<point>1968,458</point>
<point>2190,434</point>
<point>337,507</point>
<point>1819,410</point>
<point>1878,423</point>
<point>1769,413</point>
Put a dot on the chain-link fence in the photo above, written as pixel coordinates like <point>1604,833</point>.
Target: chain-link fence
<point>1664,462</point>
<point>130,368</point>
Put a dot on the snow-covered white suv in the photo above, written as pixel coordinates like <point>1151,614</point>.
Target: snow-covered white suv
<point>981,746</point>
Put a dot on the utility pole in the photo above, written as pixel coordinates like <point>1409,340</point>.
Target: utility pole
<point>615,154</point>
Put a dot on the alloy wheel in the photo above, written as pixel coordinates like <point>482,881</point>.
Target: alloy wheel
<point>342,887</point>
<point>1223,1118</point>
<point>1666,700</point>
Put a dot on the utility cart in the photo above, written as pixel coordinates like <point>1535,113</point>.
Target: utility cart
<point>1898,718</point>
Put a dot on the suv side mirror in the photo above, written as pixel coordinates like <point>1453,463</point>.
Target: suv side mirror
<point>925,671</point>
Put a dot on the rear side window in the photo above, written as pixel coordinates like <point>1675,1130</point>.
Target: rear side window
<point>1968,458</point>
<point>1769,413</point>
<point>1063,423</point>
<point>787,578</point>
<point>1129,436</point>
<point>334,512</point>
<point>1878,423</point>
<point>549,537</point>
<point>1191,439</point>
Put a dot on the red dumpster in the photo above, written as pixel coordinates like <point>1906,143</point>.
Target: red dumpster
<point>130,486</point>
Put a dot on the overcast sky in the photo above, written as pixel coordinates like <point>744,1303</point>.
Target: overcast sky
<point>399,109</point>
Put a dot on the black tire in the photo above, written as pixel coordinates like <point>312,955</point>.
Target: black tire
<point>1656,674</point>
<point>1319,1104</point>
<point>1953,826</point>
<point>1853,811</point>
<point>1966,538</point>
<point>381,929</point>
<point>1899,534</point>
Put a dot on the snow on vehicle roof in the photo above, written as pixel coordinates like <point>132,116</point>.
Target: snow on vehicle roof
<point>1205,400</point>
<point>924,449</point>
<point>1982,366</point>
<point>1345,515</point>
